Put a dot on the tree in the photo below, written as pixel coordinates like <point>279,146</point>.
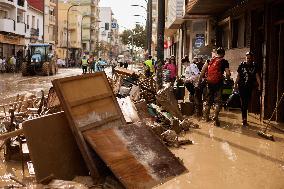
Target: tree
<point>139,37</point>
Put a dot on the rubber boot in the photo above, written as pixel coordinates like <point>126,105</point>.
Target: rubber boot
<point>216,119</point>
<point>206,113</point>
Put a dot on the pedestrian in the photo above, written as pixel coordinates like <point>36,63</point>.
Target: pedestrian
<point>245,83</point>
<point>149,67</point>
<point>172,68</point>
<point>2,66</point>
<point>125,65</point>
<point>84,63</point>
<point>200,63</point>
<point>214,76</point>
<point>90,62</point>
<point>192,74</point>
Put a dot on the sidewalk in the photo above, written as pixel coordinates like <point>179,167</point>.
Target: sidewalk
<point>230,157</point>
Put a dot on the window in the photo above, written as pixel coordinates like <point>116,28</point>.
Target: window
<point>33,22</point>
<point>238,32</point>
<point>37,24</point>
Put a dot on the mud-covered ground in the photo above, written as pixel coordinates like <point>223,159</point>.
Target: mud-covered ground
<point>227,157</point>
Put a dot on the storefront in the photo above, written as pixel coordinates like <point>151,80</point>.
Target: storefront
<point>10,45</point>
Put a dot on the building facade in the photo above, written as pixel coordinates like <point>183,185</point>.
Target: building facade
<point>50,22</point>
<point>34,22</point>
<point>238,27</point>
<point>12,26</point>
<point>108,34</point>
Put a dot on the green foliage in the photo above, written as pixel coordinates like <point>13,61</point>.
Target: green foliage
<point>139,37</point>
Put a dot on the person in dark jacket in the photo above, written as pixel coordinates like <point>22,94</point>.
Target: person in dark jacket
<point>245,82</point>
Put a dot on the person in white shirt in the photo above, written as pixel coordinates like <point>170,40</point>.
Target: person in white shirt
<point>192,74</point>
<point>2,66</point>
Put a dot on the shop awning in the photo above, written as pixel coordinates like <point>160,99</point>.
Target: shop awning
<point>208,7</point>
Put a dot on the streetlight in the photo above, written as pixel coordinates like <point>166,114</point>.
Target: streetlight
<point>67,53</point>
<point>140,6</point>
<point>137,15</point>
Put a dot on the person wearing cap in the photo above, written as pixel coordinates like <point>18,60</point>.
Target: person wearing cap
<point>213,72</point>
<point>247,77</point>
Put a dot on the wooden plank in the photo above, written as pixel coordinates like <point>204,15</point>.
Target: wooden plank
<point>53,148</point>
<point>135,155</point>
<point>90,86</point>
<point>97,124</point>
<point>90,99</point>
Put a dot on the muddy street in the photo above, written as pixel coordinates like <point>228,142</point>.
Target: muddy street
<point>13,84</point>
<point>229,156</point>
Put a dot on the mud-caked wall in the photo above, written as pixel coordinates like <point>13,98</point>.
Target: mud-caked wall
<point>235,57</point>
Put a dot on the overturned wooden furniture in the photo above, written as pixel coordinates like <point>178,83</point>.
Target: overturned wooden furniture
<point>53,148</point>
<point>132,152</point>
<point>89,104</point>
<point>135,155</point>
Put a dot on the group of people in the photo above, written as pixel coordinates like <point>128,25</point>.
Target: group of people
<point>205,81</point>
<point>92,65</point>
<point>12,63</point>
<point>8,65</point>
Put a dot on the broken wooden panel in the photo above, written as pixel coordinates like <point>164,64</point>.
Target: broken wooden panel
<point>53,148</point>
<point>135,155</point>
<point>166,98</point>
<point>89,103</point>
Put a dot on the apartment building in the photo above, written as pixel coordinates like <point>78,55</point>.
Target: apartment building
<point>50,22</point>
<point>34,22</point>
<point>12,26</point>
<point>108,33</point>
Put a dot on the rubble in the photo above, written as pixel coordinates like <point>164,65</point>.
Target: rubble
<point>130,98</point>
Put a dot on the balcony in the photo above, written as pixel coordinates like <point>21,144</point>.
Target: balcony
<point>22,5</point>
<point>7,25</point>
<point>175,14</point>
<point>21,29</point>
<point>34,33</point>
<point>8,3</point>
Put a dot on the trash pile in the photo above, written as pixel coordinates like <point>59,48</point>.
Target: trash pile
<point>113,130</point>
<point>159,110</point>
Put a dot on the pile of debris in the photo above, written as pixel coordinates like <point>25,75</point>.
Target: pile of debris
<point>112,129</point>
<point>160,110</point>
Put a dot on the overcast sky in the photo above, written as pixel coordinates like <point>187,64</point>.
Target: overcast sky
<point>123,11</point>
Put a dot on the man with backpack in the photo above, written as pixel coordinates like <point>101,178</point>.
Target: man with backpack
<point>213,72</point>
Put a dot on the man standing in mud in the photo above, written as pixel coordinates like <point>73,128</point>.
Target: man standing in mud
<point>214,75</point>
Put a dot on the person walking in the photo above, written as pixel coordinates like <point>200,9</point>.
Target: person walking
<point>149,70</point>
<point>191,83</point>
<point>90,64</point>
<point>172,68</point>
<point>84,63</point>
<point>214,75</point>
<point>247,77</point>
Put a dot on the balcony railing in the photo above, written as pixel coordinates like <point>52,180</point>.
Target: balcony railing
<point>34,32</point>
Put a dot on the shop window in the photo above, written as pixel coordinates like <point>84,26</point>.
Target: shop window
<point>225,32</point>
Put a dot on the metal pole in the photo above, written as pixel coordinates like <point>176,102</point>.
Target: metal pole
<point>160,41</point>
<point>149,12</point>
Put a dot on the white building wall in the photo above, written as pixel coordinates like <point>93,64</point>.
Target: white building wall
<point>105,17</point>
<point>38,17</point>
